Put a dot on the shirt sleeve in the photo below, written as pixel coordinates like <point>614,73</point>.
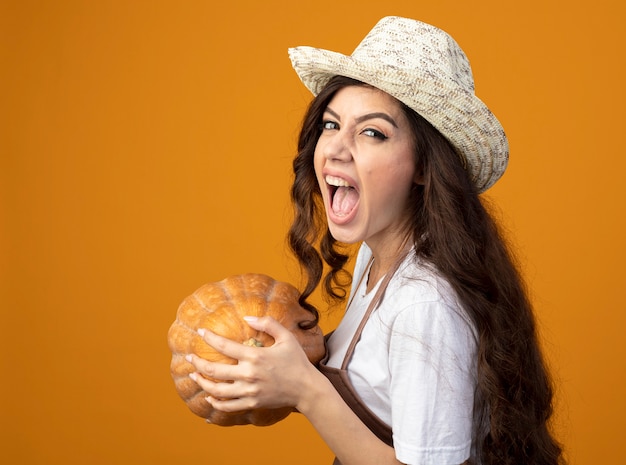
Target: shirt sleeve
<point>432,367</point>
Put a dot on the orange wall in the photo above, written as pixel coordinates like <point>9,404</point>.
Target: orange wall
<point>145,149</point>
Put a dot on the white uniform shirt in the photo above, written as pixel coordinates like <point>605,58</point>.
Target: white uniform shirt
<point>414,365</point>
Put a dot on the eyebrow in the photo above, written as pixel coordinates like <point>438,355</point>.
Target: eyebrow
<point>368,116</point>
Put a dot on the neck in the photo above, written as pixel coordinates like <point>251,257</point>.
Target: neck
<point>384,258</point>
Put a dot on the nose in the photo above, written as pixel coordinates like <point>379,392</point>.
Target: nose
<point>335,146</point>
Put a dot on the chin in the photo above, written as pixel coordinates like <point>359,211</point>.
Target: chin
<point>343,234</point>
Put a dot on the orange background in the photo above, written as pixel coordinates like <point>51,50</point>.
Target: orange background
<point>145,149</point>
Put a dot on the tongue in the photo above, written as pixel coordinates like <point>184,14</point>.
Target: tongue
<point>344,200</point>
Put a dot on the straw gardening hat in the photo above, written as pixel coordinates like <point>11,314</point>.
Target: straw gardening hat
<point>423,67</point>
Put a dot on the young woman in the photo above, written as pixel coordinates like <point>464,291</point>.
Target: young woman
<point>436,360</point>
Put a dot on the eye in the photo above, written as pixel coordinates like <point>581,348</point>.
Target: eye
<point>374,133</point>
<point>329,125</point>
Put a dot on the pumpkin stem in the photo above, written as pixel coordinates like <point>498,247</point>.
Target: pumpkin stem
<point>252,342</point>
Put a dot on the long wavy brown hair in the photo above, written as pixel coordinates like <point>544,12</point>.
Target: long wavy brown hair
<point>452,229</point>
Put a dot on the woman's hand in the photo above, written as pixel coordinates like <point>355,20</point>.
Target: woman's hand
<point>282,376</point>
<point>265,377</point>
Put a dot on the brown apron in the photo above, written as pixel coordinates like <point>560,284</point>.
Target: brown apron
<point>339,376</point>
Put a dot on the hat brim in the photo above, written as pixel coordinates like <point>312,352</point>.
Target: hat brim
<point>457,114</point>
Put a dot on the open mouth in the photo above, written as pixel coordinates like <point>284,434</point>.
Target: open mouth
<point>343,196</point>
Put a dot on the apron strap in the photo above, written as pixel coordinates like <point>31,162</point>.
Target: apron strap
<point>380,292</point>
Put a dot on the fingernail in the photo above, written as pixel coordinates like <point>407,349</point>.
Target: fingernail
<point>189,358</point>
<point>251,318</point>
<point>201,332</point>
<point>193,376</point>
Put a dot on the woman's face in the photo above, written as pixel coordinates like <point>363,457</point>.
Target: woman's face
<point>365,166</point>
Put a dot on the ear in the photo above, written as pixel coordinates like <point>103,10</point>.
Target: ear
<point>418,178</point>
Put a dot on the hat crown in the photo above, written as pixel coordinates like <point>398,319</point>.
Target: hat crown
<point>407,44</point>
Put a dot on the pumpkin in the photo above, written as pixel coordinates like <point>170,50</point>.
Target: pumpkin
<point>220,307</point>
